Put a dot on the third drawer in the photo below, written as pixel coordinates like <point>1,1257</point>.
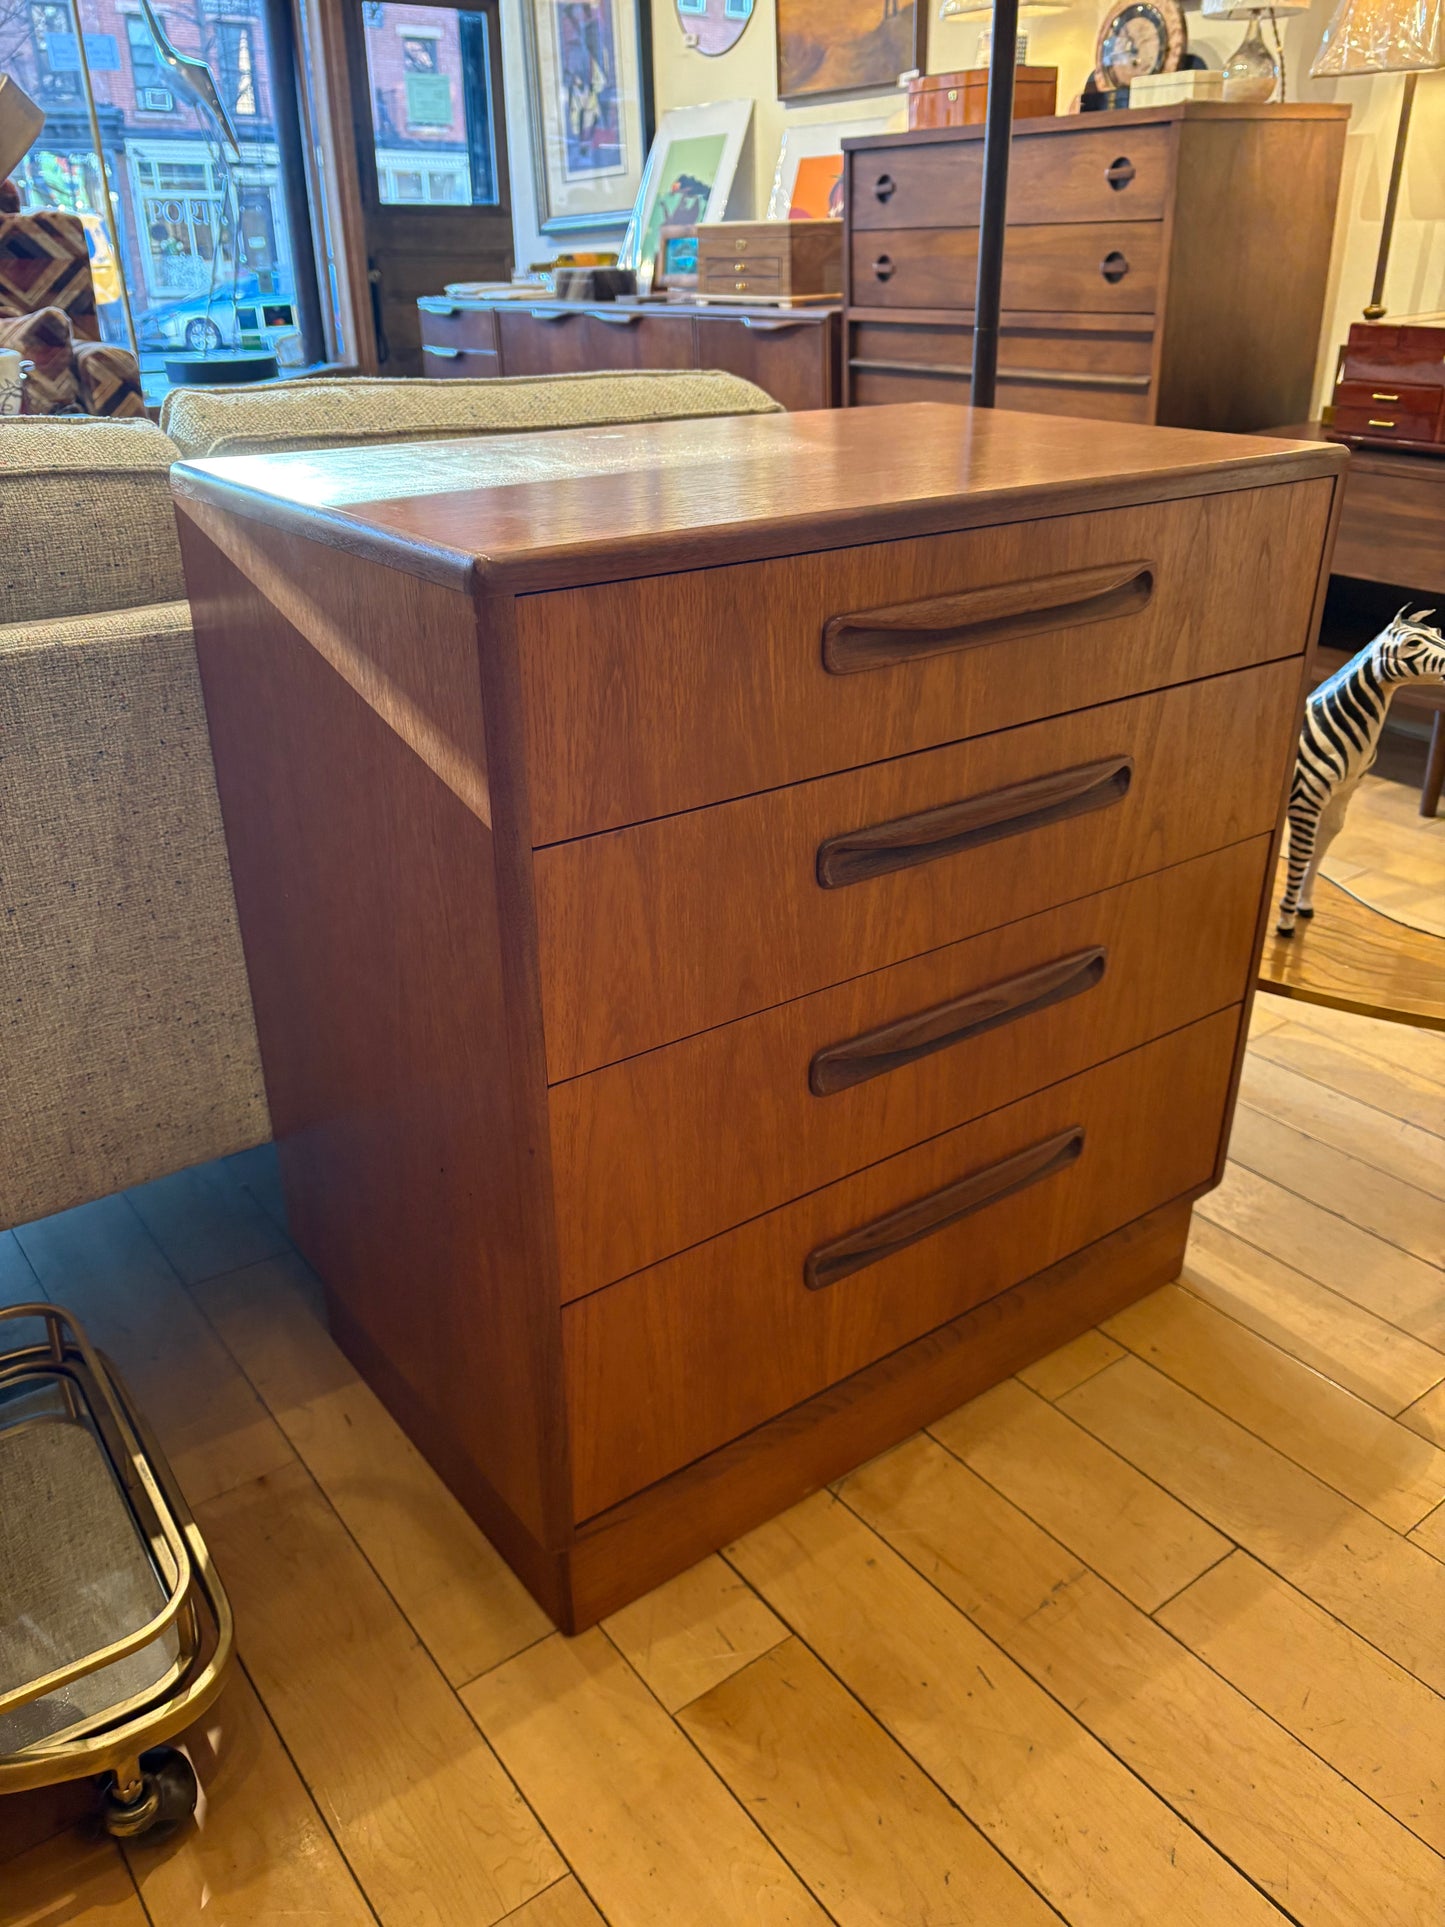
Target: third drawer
<point>732,1332</point>
<point>676,1145</point>
<point>653,933</point>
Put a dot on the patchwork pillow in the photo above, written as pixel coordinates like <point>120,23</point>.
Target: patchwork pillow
<point>52,386</point>
<point>109,379</point>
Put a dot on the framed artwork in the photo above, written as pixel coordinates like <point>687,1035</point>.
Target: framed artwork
<point>808,180</point>
<point>844,46</point>
<point>676,259</point>
<point>590,73</point>
<point>688,178</point>
<point>712,26</point>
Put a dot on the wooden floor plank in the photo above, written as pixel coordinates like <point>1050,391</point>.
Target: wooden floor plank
<point>205,1222</point>
<point>1354,1448</point>
<point>1343,1066</point>
<point>1070,1365</point>
<point>1427,1415</point>
<point>69,1882</point>
<point>429,1823</point>
<point>871,1834</point>
<point>1100,1847</point>
<point>259,1172</point>
<point>1332,1117</point>
<point>562,1905</point>
<point>258,1850</point>
<point>101,1263</point>
<point>1374,1722</point>
<point>1395,1285</point>
<point>1350,1346</point>
<point>1342,1557</point>
<point>1420,1053</point>
<point>1120,1523</point>
<point>694,1632</point>
<point>1319,1848</point>
<point>645,1824</point>
<point>1430,1534</point>
<point>1373,1200</point>
<point>464,1601</point>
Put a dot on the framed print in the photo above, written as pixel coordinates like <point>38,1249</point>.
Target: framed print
<point>713,26</point>
<point>845,46</point>
<point>676,265</point>
<point>590,79</point>
<point>808,180</point>
<point>688,178</point>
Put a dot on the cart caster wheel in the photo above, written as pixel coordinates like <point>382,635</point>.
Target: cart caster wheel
<point>168,1794</point>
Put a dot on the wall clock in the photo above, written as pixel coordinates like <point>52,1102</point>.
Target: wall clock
<point>1141,37</point>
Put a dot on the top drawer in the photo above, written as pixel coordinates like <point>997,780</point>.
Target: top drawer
<point>1081,175</point>
<point>647,697</point>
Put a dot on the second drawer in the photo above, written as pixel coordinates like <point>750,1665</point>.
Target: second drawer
<point>1088,267</point>
<point>673,1147</point>
<point>653,933</point>
<point>680,1358</point>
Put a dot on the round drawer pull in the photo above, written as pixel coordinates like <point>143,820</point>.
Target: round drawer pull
<point>884,187</point>
<point>1119,173</point>
<point>1114,267</point>
<point>883,267</point>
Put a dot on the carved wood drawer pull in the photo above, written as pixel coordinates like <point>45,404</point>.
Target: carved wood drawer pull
<point>1119,173</point>
<point>884,187</point>
<point>873,1242</point>
<point>891,1046</point>
<point>1005,612</point>
<point>1114,267</point>
<point>907,841</point>
<point>883,267</point>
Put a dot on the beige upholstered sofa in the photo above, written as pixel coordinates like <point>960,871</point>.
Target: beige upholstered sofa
<point>127,1046</point>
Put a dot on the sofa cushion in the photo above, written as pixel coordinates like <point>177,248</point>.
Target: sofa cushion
<point>109,378</point>
<point>86,521</point>
<point>52,386</point>
<point>277,416</point>
<point>45,263</point>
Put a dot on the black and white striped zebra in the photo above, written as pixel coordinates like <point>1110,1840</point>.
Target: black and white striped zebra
<point>1341,733</point>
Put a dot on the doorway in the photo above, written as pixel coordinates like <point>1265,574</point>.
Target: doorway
<point>431,137</point>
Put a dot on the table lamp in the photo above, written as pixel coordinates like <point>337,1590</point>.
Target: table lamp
<point>983,9</point>
<point>1383,37</point>
<point>1252,72</point>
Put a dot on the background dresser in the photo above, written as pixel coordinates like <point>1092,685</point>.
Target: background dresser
<point>751,922</point>
<point>1163,265</point>
<point>790,353</point>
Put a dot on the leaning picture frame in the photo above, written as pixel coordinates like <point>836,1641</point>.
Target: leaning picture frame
<point>806,142</point>
<point>589,72</point>
<point>688,179</point>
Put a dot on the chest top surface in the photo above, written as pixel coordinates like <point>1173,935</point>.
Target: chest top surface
<point>525,512</point>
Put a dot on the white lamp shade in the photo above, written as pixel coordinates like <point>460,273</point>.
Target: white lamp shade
<point>1235,10</point>
<point>1381,37</point>
<point>978,9</point>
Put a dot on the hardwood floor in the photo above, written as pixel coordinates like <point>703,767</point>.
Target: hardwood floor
<point>1153,1633</point>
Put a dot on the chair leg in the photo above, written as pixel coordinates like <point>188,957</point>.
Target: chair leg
<point>1434,768</point>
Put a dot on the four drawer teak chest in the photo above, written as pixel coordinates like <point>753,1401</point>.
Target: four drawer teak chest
<point>751,923</point>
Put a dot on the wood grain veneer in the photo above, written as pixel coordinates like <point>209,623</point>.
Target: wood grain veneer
<point>962,1075</point>
<point>697,919</point>
<point>669,1148</point>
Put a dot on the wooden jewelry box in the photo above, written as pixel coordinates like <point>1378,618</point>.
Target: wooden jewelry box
<point>1391,386</point>
<point>751,922</point>
<point>770,260</point>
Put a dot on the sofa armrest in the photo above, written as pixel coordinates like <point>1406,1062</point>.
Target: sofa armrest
<point>127,1045</point>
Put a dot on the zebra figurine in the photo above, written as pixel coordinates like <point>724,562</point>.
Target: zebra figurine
<point>1341,734</point>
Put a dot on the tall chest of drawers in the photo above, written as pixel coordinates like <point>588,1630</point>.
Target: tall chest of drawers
<point>750,922</point>
<point>1164,265</point>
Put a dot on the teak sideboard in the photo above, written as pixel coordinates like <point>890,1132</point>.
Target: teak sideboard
<point>751,922</point>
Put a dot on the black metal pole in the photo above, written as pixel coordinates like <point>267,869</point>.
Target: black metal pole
<point>993,205</point>
<point>1376,309</point>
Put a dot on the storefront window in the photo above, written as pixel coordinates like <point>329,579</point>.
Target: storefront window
<point>155,199</point>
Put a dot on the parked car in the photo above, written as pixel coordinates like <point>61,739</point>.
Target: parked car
<point>253,320</point>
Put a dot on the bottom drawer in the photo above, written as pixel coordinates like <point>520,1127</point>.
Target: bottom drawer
<point>735,1331</point>
<point>1101,370</point>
